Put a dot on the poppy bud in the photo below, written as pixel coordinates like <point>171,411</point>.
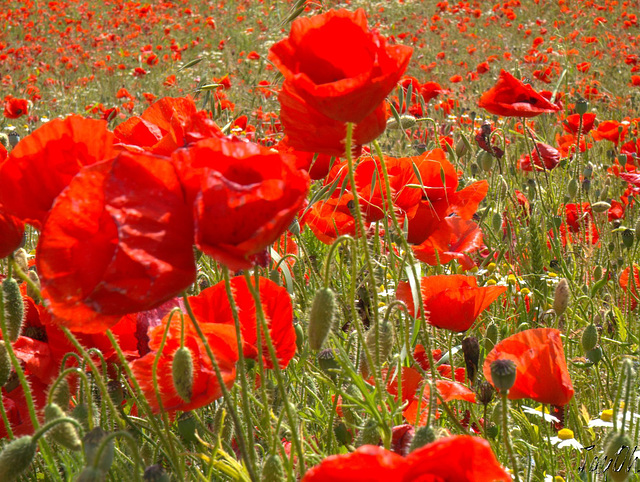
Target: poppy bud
<point>461,148</point>
<point>561,298</point>
<point>503,374</point>
<point>486,161</point>
<point>63,433</point>
<point>471,351</point>
<point>187,427</point>
<point>617,449</point>
<point>182,370</point>
<point>272,469</point>
<point>627,238</point>
<point>16,457</point>
<point>92,442</point>
<point>369,435</point>
<point>485,393</point>
<point>13,308</point>
<point>406,122</point>
<point>496,222</point>
<point>572,188</point>
<point>21,259</point>
<point>594,355</point>
<point>589,338</point>
<point>490,337</point>
<point>321,317</point>
<point>600,207</point>
<point>423,436</point>
<point>604,194</point>
<point>155,473</point>
<point>5,364</point>
<point>299,336</point>
<point>385,341</point>
<point>492,430</point>
<point>32,293</point>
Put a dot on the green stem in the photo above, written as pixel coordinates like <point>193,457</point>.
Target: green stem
<point>507,437</point>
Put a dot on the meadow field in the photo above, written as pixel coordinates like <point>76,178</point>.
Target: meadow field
<point>262,240</point>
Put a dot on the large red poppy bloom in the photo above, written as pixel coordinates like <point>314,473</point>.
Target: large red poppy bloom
<point>512,98</point>
<point>205,388</point>
<point>44,163</point>
<point>460,458</point>
<point>611,130</point>
<point>166,125</point>
<point>15,108</point>
<point>344,84</point>
<point>572,123</point>
<point>452,302</point>
<point>542,373</point>
<point>11,233</point>
<point>244,197</point>
<point>118,240</point>
<point>213,305</point>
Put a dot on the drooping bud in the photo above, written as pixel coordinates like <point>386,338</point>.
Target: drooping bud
<point>406,122</point>
<point>321,317</point>
<point>272,469</point>
<point>22,260</point>
<point>63,433</point>
<point>384,341</point>
<point>503,374</point>
<point>471,351</point>
<point>92,442</point>
<point>485,393</point>
<point>13,307</point>
<point>182,370</point>
<point>561,298</point>
<point>16,457</point>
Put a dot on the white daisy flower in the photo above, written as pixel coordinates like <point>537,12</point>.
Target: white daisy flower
<point>565,438</point>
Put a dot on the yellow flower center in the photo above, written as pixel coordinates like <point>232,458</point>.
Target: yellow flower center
<point>565,434</point>
<point>606,415</point>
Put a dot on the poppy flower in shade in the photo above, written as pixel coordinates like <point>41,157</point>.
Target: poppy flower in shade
<point>309,130</point>
<point>611,130</point>
<point>213,305</point>
<point>540,363</point>
<point>452,302</point>
<point>510,97</point>
<point>244,197</point>
<point>15,108</point>
<point>59,148</point>
<point>572,123</point>
<point>205,387</point>
<point>317,165</point>
<point>346,85</point>
<point>331,218</point>
<point>631,286</point>
<point>460,458</point>
<point>550,158</point>
<point>11,233</point>
<point>166,125</point>
<point>118,240</point>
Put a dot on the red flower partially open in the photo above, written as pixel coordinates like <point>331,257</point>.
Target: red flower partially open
<point>452,302</point>
<point>205,388</point>
<point>44,163</point>
<point>542,373</point>
<point>337,66</point>
<point>118,240</point>
<point>512,98</point>
<point>244,197</point>
<point>550,158</point>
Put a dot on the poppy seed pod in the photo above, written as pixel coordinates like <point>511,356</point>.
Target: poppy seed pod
<point>63,433</point>
<point>485,392</point>
<point>321,317</point>
<point>582,106</point>
<point>503,374</point>
<point>561,298</point>
<point>16,457</point>
<point>182,370</point>
<point>13,308</point>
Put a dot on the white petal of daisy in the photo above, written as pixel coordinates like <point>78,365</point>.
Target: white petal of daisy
<point>547,417</point>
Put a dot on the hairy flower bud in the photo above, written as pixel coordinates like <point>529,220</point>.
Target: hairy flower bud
<point>321,317</point>
<point>13,307</point>
<point>16,457</point>
<point>561,298</point>
<point>182,370</point>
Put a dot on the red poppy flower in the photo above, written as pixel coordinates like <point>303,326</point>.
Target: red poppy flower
<point>572,123</point>
<point>60,148</point>
<point>15,108</point>
<point>331,218</point>
<point>632,150</point>
<point>579,225</point>
<point>244,197</point>
<point>11,233</point>
<point>610,130</point>
<point>512,98</point>
<point>550,158</point>
<point>452,302</point>
<point>541,367</point>
<point>430,90</point>
<point>118,240</point>
<point>205,387</point>
<point>309,130</point>
<point>166,125</point>
<point>346,85</point>
<point>213,305</point>
<point>631,286</point>
<point>317,165</point>
<point>460,458</point>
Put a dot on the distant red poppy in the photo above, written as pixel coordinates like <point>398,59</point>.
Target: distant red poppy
<point>580,225</point>
<point>59,148</point>
<point>572,123</point>
<point>213,305</point>
<point>460,458</point>
<point>11,233</point>
<point>244,197</point>
<point>452,302</point>
<point>541,367</point>
<point>15,108</point>
<point>346,85</point>
<point>118,240</point>
<point>631,286</point>
<point>205,388</point>
<point>611,130</point>
<point>512,98</point>
<point>166,125</point>
<point>550,158</point>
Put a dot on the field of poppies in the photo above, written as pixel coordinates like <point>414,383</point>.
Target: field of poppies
<point>262,240</point>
